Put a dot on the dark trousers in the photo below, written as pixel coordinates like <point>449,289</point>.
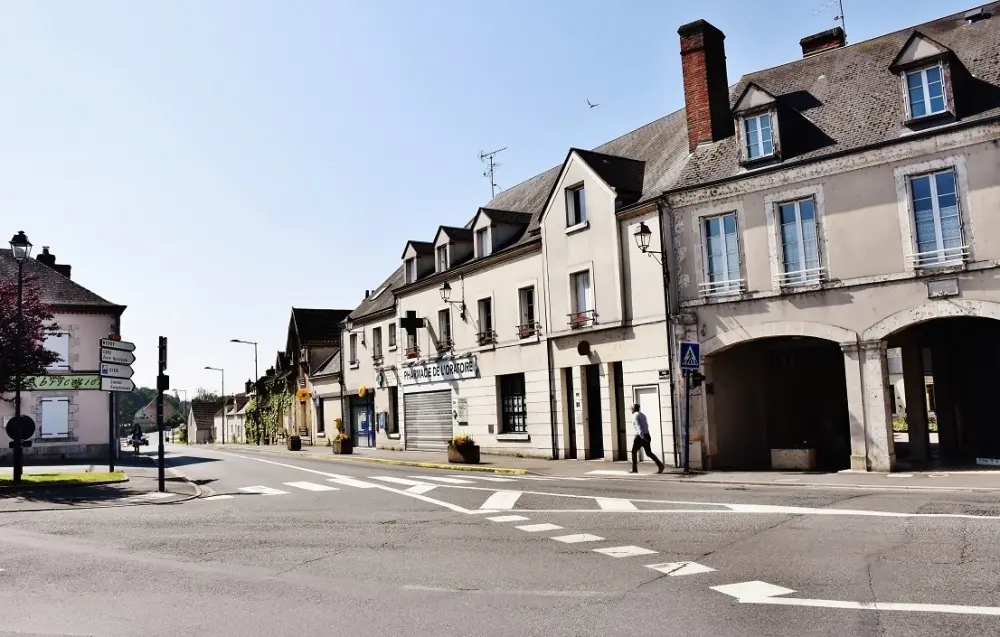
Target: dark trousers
<point>642,442</point>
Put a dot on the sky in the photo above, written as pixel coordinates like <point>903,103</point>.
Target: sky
<point>213,163</point>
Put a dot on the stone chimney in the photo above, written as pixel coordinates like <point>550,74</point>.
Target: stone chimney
<point>706,84</point>
<point>48,259</point>
<point>835,38</point>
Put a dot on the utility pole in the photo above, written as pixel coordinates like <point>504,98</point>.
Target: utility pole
<point>162,384</point>
<point>491,171</point>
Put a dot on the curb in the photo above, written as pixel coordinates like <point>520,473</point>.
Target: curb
<point>12,489</point>
<point>389,461</point>
<point>183,476</point>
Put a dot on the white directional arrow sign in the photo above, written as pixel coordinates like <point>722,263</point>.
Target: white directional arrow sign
<point>111,370</point>
<point>117,356</point>
<point>125,346</point>
<point>763,593</point>
<point>117,384</point>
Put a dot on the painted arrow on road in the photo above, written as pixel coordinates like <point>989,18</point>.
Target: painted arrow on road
<point>758,592</point>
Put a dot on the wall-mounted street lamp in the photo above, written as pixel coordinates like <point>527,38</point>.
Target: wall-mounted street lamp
<point>642,236</point>
<point>446,297</point>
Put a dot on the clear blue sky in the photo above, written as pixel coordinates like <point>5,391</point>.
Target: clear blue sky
<point>211,164</point>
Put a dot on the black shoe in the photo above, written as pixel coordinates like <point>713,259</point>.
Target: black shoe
<point>662,467</point>
<point>634,471</point>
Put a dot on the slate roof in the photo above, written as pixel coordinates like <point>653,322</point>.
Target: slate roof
<point>330,366</point>
<point>623,174</point>
<point>507,216</point>
<point>457,234</point>
<point>317,326</point>
<point>55,289</point>
<point>847,99</point>
<point>384,301</point>
<point>203,412</point>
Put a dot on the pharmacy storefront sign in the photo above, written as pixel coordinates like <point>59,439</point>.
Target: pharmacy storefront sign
<point>441,371</point>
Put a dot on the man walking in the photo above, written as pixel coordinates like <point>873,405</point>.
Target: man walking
<point>642,440</point>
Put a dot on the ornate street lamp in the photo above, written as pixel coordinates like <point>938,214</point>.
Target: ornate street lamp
<point>446,292</point>
<point>642,236</point>
<point>21,249</point>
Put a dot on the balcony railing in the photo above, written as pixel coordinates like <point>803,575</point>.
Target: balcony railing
<point>445,344</point>
<point>939,258</point>
<point>581,319</point>
<point>527,330</point>
<point>808,276</point>
<point>413,352</point>
<point>487,337</point>
<point>377,359</point>
<point>722,288</point>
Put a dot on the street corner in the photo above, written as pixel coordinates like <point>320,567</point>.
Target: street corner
<point>121,488</point>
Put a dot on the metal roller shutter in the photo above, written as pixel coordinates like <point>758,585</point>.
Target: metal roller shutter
<point>427,420</point>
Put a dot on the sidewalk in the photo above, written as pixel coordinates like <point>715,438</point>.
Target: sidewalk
<point>943,480</point>
<point>140,488</point>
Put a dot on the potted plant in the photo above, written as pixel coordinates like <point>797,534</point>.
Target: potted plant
<point>342,444</point>
<point>462,449</point>
<point>293,443</point>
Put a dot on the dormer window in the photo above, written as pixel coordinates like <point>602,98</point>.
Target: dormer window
<point>758,141</point>
<point>576,206</point>
<point>442,258</point>
<point>411,270</point>
<point>482,243</point>
<point>925,94</point>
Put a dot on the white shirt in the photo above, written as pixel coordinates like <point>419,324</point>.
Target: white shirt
<point>640,424</point>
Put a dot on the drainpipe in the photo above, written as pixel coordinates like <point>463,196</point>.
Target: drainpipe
<point>549,363</point>
<point>669,315</point>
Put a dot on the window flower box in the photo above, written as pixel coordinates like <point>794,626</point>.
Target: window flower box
<point>413,352</point>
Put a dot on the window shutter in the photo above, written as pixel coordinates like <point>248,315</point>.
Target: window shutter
<point>55,418</point>
<point>58,343</point>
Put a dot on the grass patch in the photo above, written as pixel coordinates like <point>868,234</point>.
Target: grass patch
<point>63,479</point>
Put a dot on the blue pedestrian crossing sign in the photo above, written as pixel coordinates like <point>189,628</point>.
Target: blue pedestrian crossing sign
<point>690,356</point>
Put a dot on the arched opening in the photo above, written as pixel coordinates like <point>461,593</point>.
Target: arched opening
<point>779,403</point>
<point>942,376</point>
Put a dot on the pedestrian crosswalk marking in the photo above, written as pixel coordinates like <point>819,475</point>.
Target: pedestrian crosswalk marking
<point>404,481</point>
<point>501,500</point>
<point>508,518</point>
<point>310,486</point>
<point>676,569</point>
<point>577,538</point>
<point>153,495</point>
<point>421,488</point>
<point>624,551</point>
<point>616,504</point>
<point>348,481</point>
<point>444,480</point>
<point>262,490</point>
<point>486,478</point>
<point>224,496</point>
<point>536,528</point>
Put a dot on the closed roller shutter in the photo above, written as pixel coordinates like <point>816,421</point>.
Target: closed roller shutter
<point>427,420</point>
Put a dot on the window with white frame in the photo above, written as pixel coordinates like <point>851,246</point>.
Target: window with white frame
<point>392,336</point>
<point>55,418</point>
<point>377,342</point>
<point>925,92</point>
<point>411,342</point>
<point>486,333</point>
<point>576,206</point>
<point>354,349</point>
<point>411,270</point>
<point>483,242</point>
<point>444,329</point>
<point>581,299</point>
<point>722,255</point>
<point>757,139</point>
<point>526,301</point>
<point>937,218</point>
<point>799,242</point>
<point>442,258</point>
<point>58,342</point>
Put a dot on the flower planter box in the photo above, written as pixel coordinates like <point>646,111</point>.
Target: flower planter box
<point>342,447</point>
<point>293,443</point>
<point>799,459</point>
<point>466,454</point>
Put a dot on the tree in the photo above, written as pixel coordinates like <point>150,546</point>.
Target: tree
<point>23,345</point>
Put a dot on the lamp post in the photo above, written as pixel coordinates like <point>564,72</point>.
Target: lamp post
<point>20,247</point>
<point>224,415</point>
<point>445,291</point>
<point>256,377</point>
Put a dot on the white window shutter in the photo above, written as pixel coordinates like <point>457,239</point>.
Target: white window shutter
<point>58,342</point>
<point>55,418</point>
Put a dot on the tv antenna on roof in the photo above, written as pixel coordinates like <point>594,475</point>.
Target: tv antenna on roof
<point>490,172</point>
<point>840,16</point>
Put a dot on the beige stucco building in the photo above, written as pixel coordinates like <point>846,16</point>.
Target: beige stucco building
<point>71,414</point>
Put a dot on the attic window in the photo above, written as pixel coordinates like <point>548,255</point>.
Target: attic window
<point>379,291</point>
<point>411,270</point>
<point>442,258</point>
<point>925,92</point>
<point>758,137</point>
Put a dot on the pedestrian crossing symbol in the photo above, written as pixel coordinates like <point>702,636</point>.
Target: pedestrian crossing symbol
<point>690,356</point>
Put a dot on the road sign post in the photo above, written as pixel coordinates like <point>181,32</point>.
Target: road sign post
<point>690,353</point>
<point>116,359</point>
<point>162,384</point>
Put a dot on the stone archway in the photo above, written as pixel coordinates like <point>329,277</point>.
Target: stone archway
<point>950,308</point>
<point>755,331</point>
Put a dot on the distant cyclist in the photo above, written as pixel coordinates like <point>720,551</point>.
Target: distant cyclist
<point>136,437</point>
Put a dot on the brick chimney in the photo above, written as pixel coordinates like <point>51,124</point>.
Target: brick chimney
<point>48,259</point>
<point>835,38</point>
<point>706,85</point>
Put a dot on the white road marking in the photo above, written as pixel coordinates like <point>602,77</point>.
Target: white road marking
<point>616,504</point>
<point>331,477</point>
<point>224,496</point>
<point>537,528</point>
<point>310,486</point>
<point>577,538</point>
<point>421,488</point>
<point>152,495</point>
<point>676,569</point>
<point>501,500</point>
<point>348,481</point>
<point>262,490</point>
<point>758,592</point>
<point>485,478</point>
<point>466,591</point>
<point>508,518</point>
<point>624,551</point>
<point>409,483</point>
<point>444,480</point>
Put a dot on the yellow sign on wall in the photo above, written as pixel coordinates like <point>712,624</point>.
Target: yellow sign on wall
<point>302,394</point>
<point>362,391</point>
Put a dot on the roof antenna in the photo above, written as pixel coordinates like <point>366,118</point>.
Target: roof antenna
<point>490,172</point>
<point>840,16</point>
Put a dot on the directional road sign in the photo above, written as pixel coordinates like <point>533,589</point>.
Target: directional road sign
<point>117,384</point>
<point>110,370</point>
<point>690,356</point>
<point>125,346</point>
<point>117,356</point>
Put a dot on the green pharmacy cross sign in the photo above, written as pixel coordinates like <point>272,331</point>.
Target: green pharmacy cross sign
<point>63,381</point>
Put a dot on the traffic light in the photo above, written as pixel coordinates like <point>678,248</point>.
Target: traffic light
<point>163,354</point>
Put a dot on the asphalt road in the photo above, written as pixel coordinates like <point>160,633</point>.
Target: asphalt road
<point>304,547</point>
